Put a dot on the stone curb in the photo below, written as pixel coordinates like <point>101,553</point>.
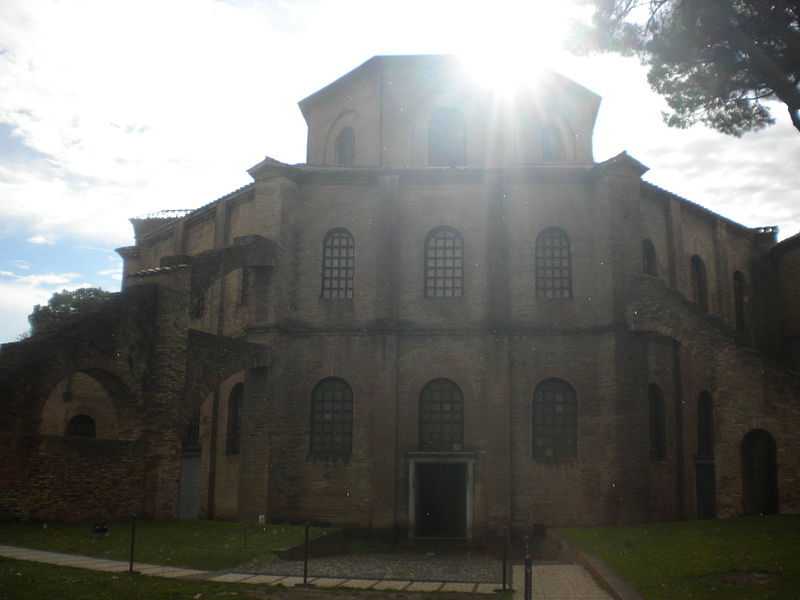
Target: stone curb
<point>570,552</point>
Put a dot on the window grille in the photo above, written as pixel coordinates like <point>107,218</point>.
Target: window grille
<point>441,416</point>
<point>444,264</point>
<point>331,419</point>
<point>553,264</point>
<point>555,421</point>
<point>338,264</point>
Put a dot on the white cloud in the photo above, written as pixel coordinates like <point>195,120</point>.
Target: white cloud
<point>42,239</point>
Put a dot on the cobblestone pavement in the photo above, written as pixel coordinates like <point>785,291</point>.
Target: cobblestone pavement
<point>559,582</point>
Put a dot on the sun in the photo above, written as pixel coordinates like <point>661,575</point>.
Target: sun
<point>508,46</point>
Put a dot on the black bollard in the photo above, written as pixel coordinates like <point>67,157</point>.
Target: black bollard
<point>133,542</point>
<point>528,571</point>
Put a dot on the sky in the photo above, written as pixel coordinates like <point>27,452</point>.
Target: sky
<point>112,109</point>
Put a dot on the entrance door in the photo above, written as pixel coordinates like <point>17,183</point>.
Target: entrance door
<point>759,473</point>
<point>189,507</point>
<point>441,500</point>
<point>705,486</point>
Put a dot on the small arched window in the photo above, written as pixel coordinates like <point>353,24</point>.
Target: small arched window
<point>738,299</point>
<point>699,282</point>
<point>447,138</point>
<point>705,425</point>
<point>553,148</point>
<point>649,256</point>
<point>441,416</point>
<point>81,426</point>
<point>338,264</point>
<point>331,419</point>
<point>444,263</point>
<point>553,264</point>
<point>658,434</point>
<point>345,147</point>
<point>555,421</point>
<point>233,444</point>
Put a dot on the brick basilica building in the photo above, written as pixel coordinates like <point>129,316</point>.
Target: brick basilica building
<point>448,321</point>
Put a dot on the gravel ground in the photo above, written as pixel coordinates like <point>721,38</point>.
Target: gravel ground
<point>403,566</point>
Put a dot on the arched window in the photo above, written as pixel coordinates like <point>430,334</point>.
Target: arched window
<point>553,264</point>
<point>81,426</point>
<point>699,282</point>
<point>234,437</point>
<point>658,434</point>
<point>331,419</point>
<point>345,147</point>
<point>553,149</point>
<point>444,263</point>
<point>441,416</point>
<point>338,264</point>
<point>447,138</point>
<point>555,420</point>
<point>705,425</point>
<point>649,255</point>
<point>738,299</point>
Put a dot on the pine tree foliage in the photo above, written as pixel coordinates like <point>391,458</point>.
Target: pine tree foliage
<point>717,62</point>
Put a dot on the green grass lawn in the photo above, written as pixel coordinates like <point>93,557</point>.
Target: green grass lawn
<point>209,545</point>
<point>711,560</point>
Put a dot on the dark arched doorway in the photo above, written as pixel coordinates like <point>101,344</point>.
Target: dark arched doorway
<point>759,473</point>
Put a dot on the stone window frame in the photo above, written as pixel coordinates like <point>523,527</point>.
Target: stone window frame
<point>657,422</point>
<point>233,438</point>
<point>554,421</point>
<point>739,294</point>
<point>649,258</point>
<point>447,137</point>
<point>331,419</point>
<point>553,256</point>
<point>699,281</point>
<point>444,263</point>
<point>338,265</point>
<point>441,416</point>
<point>344,148</point>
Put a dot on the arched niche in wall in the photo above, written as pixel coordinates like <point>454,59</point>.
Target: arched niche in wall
<point>342,144</point>
<point>89,394</point>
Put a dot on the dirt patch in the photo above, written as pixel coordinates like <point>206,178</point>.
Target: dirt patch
<point>749,578</point>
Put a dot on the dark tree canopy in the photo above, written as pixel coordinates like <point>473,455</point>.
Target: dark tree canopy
<point>715,61</point>
<point>65,303</point>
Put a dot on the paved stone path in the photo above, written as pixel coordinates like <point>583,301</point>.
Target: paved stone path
<point>550,581</point>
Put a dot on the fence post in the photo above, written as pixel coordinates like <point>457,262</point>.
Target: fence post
<point>528,570</point>
<point>305,558</point>
<point>133,542</point>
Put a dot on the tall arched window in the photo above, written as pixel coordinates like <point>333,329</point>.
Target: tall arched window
<point>331,419</point>
<point>658,434</point>
<point>447,138</point>
<point>234,437</point>
<point>441,416</point>
<point>738,299</point>
<point>553,148</point>
<point>705,425</point>
<point>345,147</point>
<point>338,264</point>
<point>649,256</point>
<point>699,282</point>
<point>81,426</point>
<point>444,263</point>
<point>555,420</point>
<point>553,264</point>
